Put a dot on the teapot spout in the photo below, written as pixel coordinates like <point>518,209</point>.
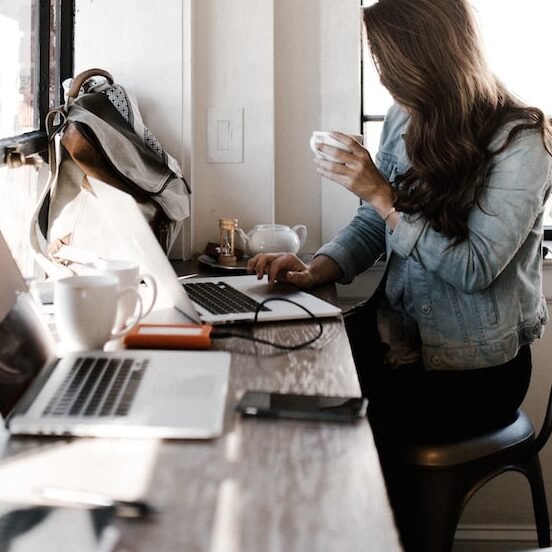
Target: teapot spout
<point>244,238</point>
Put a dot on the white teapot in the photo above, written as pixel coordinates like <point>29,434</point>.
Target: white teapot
<point>273,238</point>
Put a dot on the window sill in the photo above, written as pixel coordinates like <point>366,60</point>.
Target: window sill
<point>26,144</point>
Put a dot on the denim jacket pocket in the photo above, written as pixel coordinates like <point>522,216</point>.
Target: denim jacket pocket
<point>472,314</point>
<point>485,304</point>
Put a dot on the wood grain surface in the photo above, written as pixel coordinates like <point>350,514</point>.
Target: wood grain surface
<point>273,485</point>
<point>268,485</point>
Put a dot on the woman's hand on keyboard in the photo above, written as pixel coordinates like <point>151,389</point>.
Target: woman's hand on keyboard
<point>286,267</point>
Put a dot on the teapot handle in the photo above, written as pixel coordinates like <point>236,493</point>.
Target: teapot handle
<point>301,231</point>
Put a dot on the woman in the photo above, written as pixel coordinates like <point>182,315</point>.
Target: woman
<point>455,199</point>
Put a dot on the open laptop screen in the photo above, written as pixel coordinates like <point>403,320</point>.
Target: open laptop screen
<point>25,342</point>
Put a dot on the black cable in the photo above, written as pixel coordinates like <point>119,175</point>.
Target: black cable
<point>226,335</point>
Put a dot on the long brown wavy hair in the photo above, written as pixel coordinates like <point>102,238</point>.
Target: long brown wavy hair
<point>429,56</point>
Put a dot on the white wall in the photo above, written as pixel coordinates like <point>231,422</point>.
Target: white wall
<point>274,60</point>
<point>293,67</point>
<point>317,87</point>
<point>340,99</point>
<point>233,68</point>
<point>140,42</point>
<point>144,46</point>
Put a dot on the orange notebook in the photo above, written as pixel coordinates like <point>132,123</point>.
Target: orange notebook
<point>169,336</point>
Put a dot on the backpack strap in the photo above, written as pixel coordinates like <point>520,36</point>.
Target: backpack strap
<point>80,79</point>
<point>38,228</point>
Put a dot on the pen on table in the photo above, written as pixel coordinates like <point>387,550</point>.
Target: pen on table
<point>186,276</point>
<point>123,508</point>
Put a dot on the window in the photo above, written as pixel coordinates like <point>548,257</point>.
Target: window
<point>38,34</point>
<point>36,37</point>
<point>518,54</point>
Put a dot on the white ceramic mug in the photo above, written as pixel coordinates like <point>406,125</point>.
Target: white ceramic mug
<point>85,309</point>
<point>128,274</point>
<point>323,137</point>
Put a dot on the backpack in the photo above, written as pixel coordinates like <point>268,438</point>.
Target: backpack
<point>99,133</point>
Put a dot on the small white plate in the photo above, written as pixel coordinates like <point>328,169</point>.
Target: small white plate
<point>239,267</point>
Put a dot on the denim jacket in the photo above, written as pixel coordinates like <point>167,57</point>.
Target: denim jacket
<point>473,304</point>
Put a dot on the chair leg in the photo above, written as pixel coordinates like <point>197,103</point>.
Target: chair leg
<point>427,506</point>
<point>533,472</point>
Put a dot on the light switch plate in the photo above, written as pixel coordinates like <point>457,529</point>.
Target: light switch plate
<point>225,135</point>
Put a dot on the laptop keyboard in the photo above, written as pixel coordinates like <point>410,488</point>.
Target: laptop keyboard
<point>97,387</point>
<point>220,298</point>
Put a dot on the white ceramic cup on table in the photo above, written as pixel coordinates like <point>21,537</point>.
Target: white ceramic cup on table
<point>128,274</point>
<point>85,309</point>
<point>323,137</point>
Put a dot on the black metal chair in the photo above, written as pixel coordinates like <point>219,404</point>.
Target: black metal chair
<point>436,480</point>
<point>430,483</point>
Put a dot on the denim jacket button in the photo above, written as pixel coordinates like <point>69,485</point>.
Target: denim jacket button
<point>426,309</point>
<point>435,360</point>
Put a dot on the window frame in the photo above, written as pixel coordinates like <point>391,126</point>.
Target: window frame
<point>58,31</point>
<point>365,117</point>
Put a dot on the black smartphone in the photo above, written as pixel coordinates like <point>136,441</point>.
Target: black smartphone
<point>306,407</point>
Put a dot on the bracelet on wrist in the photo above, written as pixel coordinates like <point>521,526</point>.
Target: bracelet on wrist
<point>389,213</point>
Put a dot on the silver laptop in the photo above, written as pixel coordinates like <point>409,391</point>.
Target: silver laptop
<point>140,393</point>
<point>133,238</point>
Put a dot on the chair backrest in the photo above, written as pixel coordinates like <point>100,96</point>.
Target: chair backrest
<point>546,428</point>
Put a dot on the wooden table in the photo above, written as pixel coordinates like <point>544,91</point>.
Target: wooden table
<point>273,485</point>
<point>267,485</point>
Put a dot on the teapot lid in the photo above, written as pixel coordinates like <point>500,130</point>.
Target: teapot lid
<point>271,227</point>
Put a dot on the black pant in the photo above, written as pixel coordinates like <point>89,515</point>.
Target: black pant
<point>411,403</point>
